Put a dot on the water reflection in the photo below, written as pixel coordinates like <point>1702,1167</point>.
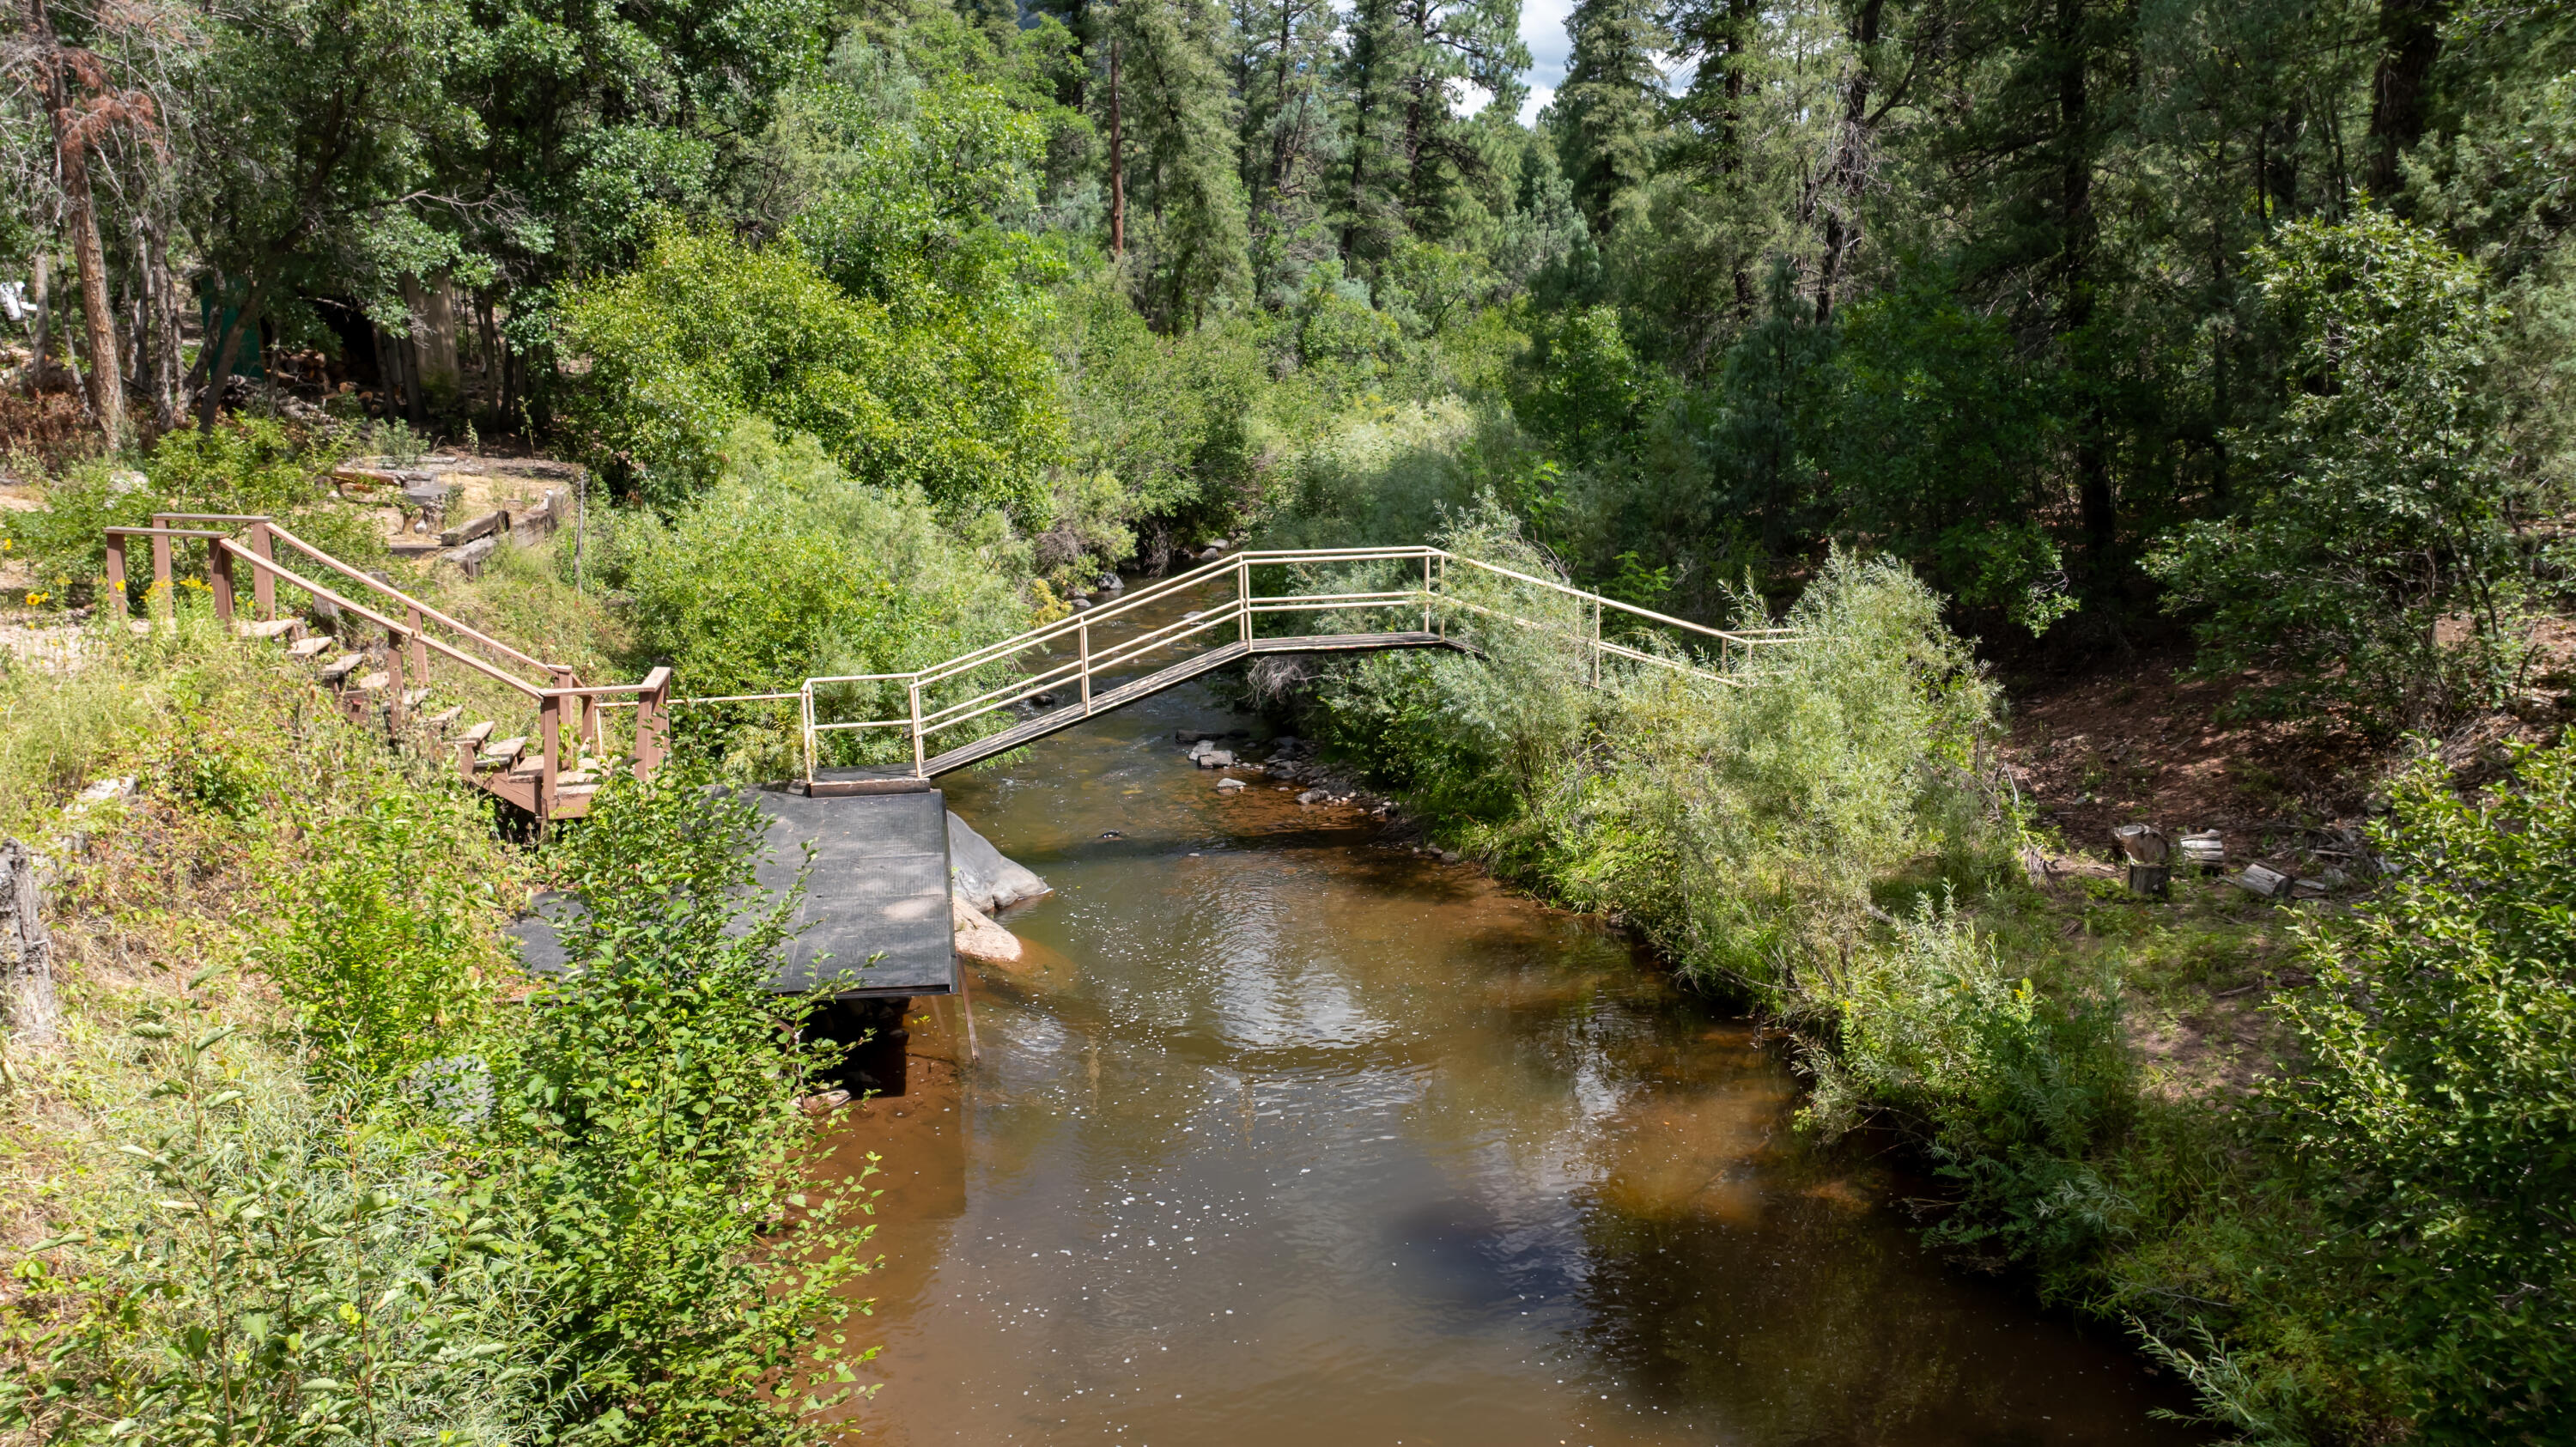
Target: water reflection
<point>1296,1136</point>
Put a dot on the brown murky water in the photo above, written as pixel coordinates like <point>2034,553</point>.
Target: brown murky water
<point>1298,1139</point>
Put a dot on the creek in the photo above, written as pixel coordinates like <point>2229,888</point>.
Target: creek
<point>1285,1134</point>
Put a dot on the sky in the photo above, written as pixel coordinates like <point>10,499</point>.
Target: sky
<point>1543,31</point>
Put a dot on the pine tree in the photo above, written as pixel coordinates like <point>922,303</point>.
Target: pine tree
<point>1178,139</point>
<point>1404,68</point>
<point>1282,72</point>
<point>1609,115</point>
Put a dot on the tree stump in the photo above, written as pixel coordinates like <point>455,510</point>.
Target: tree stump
<point>27,1000</point>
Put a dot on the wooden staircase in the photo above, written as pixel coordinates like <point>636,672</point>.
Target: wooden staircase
<point>551,773</point>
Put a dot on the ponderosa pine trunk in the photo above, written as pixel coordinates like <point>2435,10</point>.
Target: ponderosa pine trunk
<point>1117,162</point>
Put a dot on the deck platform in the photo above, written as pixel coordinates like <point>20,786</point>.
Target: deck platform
<point>875,918</point>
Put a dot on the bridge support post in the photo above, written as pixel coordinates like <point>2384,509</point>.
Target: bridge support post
<point>652,723</point>
<point>1243,594</point>
<point>116,573</point>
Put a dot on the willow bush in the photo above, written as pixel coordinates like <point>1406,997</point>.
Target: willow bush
<point>1754,825</point>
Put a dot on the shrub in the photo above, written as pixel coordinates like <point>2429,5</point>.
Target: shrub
<point>706,332</point>
<point>382,945</point>
<point>2434,1123</point>
<point>648,1120</point>
<point>245,465</point>
<point>2382,502</point>
<point>789,569</point>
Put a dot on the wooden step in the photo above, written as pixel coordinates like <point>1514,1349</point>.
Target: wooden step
<point>275,628</point>
<point>374,682</point>
<point>140,628</point>
<point>475,735</point>
<point>445,716</point>
<point>415,697</point>
<point>500,752</point>
<point>341,667</point>
<point>307,648</point>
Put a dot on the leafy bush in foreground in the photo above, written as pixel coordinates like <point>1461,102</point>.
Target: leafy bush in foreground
<point>2436,1123</point>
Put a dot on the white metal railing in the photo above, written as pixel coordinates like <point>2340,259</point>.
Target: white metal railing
<point>1434,597</point>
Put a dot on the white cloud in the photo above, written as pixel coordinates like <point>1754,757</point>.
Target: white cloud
<point>1543,31</point>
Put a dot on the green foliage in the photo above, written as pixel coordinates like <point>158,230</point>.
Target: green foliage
<point>2383,503</point>
<point>2435,1125</point>
<point>791,569</point>
<point>298,1276</point>
<point>706,332</point>
<point>1586,391</point>
<point>2015,1085</point>
<point>648,1117</point>
<point>581,1219</point>
<point>382,947</point>
<point>1936,439</point>
<point>246,466</point>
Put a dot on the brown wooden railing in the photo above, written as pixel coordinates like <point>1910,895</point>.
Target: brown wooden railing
<point>569,710</point>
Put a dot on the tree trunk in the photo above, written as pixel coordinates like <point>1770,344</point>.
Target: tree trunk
<point>220,370</point>
<point>71,162</point>
<point>44,299</point>
<point>1850,164</point>
<point>2410,40</point>
<point>2079,232</point>
<point>1117,163</point>
<point>161,317</point>
<point>26,952</point>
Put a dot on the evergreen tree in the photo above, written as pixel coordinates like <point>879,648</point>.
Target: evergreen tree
<point>1283,74</point>
<point>1178,124</point>
<point>1609,115</point>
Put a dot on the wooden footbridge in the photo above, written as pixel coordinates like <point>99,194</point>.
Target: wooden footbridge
<point>880,869</point>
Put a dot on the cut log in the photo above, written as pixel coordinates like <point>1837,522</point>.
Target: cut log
<point>2143,843</point>
<point>482,527</point>
<point>27,1001</point>
<point>2269,883</point>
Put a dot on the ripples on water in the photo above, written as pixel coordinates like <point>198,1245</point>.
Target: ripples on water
<point>1291,1138</point>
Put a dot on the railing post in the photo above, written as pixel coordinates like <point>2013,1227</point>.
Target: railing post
<point>1596,640</point>
<point>161,579</point>
<point>805,708</point>
<point>116,575</point>
<point>652,722</point>
<point>396,642</point>
<point>263,588</point>
<point>419,647</point>
<point>219,576</point>
<point>550,727</point>
<point>563,678</point>
<point>1243,595</point>
<point>916,733</point>
<point>1083,635</point>
<point>1426,590</point>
